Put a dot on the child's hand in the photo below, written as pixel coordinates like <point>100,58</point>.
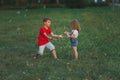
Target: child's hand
<point>66,33</point>
<point>53,38</point>
<point>61,36</point>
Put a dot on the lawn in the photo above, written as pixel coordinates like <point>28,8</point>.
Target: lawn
<point>99,45</point>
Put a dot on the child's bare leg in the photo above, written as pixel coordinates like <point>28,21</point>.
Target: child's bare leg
<point>54,54</point>
<point>75,52</point>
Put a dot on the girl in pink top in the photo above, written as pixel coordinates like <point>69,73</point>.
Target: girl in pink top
<point>74,36</point>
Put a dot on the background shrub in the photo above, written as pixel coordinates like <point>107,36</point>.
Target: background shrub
<point>77,3</point>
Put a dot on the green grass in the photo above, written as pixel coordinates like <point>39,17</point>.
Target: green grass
<point>99,45</point>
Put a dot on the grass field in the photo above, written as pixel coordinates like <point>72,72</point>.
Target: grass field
<point>99,45</point>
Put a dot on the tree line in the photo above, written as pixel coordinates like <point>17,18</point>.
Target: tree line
<point>25,2</point>
<point>55,3</point>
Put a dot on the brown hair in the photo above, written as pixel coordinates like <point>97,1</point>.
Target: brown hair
<point>75,25</point>
<point>46,19</point>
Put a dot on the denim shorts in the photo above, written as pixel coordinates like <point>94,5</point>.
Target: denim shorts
<point>74,43</point>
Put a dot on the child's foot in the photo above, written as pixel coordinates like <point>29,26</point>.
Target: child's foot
<point>36,56</point>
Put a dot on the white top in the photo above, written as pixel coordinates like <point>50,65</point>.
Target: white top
<point>75,32</point>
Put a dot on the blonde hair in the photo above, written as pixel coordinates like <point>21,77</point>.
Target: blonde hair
<point>75,25</point>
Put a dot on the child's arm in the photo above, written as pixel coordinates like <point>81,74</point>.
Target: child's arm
<point>54,35</point>
<point>47,36</point>
<point>67,33</point>
<point>70,36</point>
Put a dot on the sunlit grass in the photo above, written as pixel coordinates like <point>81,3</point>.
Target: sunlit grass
<point>99,45</point>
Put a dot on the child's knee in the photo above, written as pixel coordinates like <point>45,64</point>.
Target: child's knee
<point>40,52</point>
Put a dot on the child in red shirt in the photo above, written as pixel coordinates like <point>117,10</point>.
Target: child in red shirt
<point>44,38</point>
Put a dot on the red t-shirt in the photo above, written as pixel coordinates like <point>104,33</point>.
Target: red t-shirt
<point>42,39</point>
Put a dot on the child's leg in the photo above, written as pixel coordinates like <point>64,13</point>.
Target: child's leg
<point>54,54</point>
<point>40,51</point>
<point>52,48</point>
<point>75,52</point>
